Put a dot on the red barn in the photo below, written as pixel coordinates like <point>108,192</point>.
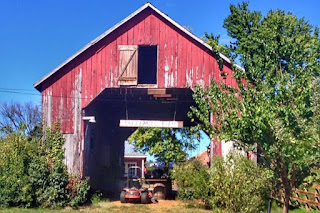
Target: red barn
<point>143,68</point>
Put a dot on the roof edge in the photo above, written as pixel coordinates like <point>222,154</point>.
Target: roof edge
<point>100,37</point>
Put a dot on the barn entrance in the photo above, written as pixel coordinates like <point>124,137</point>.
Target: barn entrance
<point>104,140</point>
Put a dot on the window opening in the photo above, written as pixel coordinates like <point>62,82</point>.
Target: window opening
<point>147,64</point>
<point>131,172</point>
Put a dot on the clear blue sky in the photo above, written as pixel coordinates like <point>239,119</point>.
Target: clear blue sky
<point>37,35</point>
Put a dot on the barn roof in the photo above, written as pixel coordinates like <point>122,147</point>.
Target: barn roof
<point>128,18</point>
<point>130,151</point>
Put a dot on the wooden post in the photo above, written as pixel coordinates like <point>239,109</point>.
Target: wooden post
<point>211,142</point>
<point>211,151</point>
<point>142,169</point>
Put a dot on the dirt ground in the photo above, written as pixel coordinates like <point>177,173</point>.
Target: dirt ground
<point>171,206</point>
<point>161,203</point>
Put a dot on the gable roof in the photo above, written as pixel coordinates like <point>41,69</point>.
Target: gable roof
<point>106,33</point>
<point>130,151</point>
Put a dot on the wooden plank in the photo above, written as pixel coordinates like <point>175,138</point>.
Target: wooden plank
<point>157,91</point>
<point>89,80</point>
<point>84,80</point>
<point>112,52</point>
<point>189,73</point>
<point>196,62</point>
<point>103,68</point>
<point>181,61</point>
<point>55,97</point>
<point>116,72</point>
<point>151,123</point>
<point>316,187</point>
<point>315,203</point>
<point>176,59</point>
<point>161,54</point>
<point>63,109</point>
<point>169,56</point>
<point>154,30</point>
<point>130,34</point>
<point>99,72</point>
<point>162,95</point>
<point>71,100</point>
<point>307,193</point>
<point>140,33</point>
<point>128,66</point>
<point>184,66</point>
<point>127,47</point>
<point>207,64</point>
<point>147,26</point>
<point>94,73</point>
<point>70,95</point>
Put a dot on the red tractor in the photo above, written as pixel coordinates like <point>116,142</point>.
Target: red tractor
<point>134,192</point>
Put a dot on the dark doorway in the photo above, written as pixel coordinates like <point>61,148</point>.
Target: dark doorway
<point>147,64</point>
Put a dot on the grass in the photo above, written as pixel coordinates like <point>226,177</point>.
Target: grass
<point>278,209</point>
<point>117,207</point>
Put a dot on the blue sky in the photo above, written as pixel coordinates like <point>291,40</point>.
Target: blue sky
<point>37,35</point>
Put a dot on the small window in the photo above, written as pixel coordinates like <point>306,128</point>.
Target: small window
<point>147,64</point>
<point>138,64</point>
<point>131,172</point>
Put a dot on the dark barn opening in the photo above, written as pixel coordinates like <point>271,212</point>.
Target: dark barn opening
<point>104,140</point>
<point>147,64</point>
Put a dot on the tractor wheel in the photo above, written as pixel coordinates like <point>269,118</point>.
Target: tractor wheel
<point>123,197</point>
<point>145,199</point>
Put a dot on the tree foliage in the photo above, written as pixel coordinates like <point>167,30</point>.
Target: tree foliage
<point>167,145</point>
<point>275,105</point>
<point>32,172</point>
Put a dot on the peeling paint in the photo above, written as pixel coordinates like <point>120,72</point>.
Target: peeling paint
<point>111,79</point>
<point>189,78</point>
<point>61,108</point>
<point>178,57</point>
<point>47,105</point>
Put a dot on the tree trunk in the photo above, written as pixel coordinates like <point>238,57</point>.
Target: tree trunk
<point>286,200</point>
<point>286,205</point>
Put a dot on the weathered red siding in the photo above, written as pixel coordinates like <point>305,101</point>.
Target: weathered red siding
<point>182,62</point>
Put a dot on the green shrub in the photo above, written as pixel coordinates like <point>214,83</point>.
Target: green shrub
<point>78,191</point>
<point>32,172</point>
<point>55,194</point>
<point>16,152</point>
<point>192,178</point>
<point>238,184</point>
<point>235,184</point>
<point>96,197</point>
<point>39,178</point>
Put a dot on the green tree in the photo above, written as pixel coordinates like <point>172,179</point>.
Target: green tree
<point>274,106</point>
<point>167,145</point>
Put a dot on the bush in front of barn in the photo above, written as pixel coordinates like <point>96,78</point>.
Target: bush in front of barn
<point>192,179</point>
<point>233,184</point>
<point>32,173</point>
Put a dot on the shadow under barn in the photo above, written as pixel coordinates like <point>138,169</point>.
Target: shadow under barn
<point>104,139</point>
